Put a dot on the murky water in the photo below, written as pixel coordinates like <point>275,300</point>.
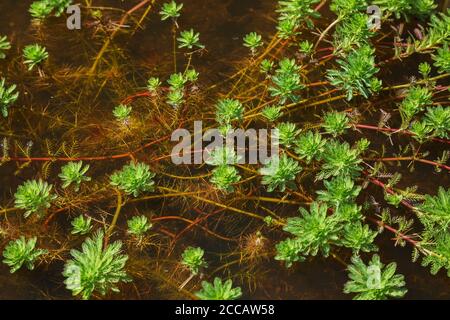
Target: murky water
<point>50,108</point>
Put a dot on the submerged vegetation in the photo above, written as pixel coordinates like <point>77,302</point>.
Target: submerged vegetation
<point>219,290</point>
<point>374,281</point>
<point>97,267</point>
<point>41,9</point>
<point>7,97</point>
<point>34,196</point>
<point>21,252</point>
<point>34,55</point>
<point>362,116</point>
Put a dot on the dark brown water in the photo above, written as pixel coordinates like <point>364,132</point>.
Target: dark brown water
<point>222,24</point>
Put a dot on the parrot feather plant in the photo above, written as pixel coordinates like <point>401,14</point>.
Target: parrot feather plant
<point>104,182</point>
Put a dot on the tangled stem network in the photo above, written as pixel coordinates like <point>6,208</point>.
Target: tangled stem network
<point>95,187</point>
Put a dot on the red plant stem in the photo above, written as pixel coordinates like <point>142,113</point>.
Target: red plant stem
<point>167,232</point>
<point>320,5</point>
<point>197,221</point>
<point>395,231</point>
<point>137,95</point>
<point>387,227</point>
<point>433,163</point>
<point>325,49</point>
<point>98,158</point>
<point>388,190</point>
<point>370,127</point>
<point>326,57</point>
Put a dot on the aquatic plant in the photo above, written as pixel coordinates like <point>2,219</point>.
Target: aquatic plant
<point>349,212</point>
<point>175,97</point>
<point>253,41</point>
<point>394,199</point>
<point>394,7</point>
<point>22,252</point>
<point>356,73</point>
<point>421,131</point>
<point>7,97</point>
<point>134,179</point>
<point>306,47</point>
<point>339,159</point>
<point>442,58</point>
<point>177,81</point>
<point>359,237</point>
<point>59,6</point>
<point>310,145</point>
<point>315,230</point>
<point>439,257</point>
<point>43,8</point>
<point>362,145</point>
<point>170,10</point>
<point>352,33</point>
<point>189,39</point>
<point>266,66</point>
<point>193,259</point>
<point>224,176</point>
<point>191,75</point>
<point>297,11</point>
<point>417,98</point>
<point>346,7</point>
<point>335,123</point>
<point>4,46</point>
<point>138,226</point>
<point>97,268</point>
<point>219,290</point>
<point>436,211</point>
<point>374,281</point>
<point>228,110</point>
<point>438,118</point>
<point>279,173</point>
<point>34,196</point>
<point>423,8</point>
<point>286,81</point>
<point>40,9</point>
<point>287,29</point>
<point>424,69</point>
<point>81,225</point>
<point>438,31</point>
<point>288,251</point>
<point>406,8</point>
<point>222,156</point>
<point>34,55</point>
<point>287,132</point>
<point>340,189</point>
<point>272,113</point>
<point>153,84</point>
<point>122,112</point>
<point>74,173</point>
